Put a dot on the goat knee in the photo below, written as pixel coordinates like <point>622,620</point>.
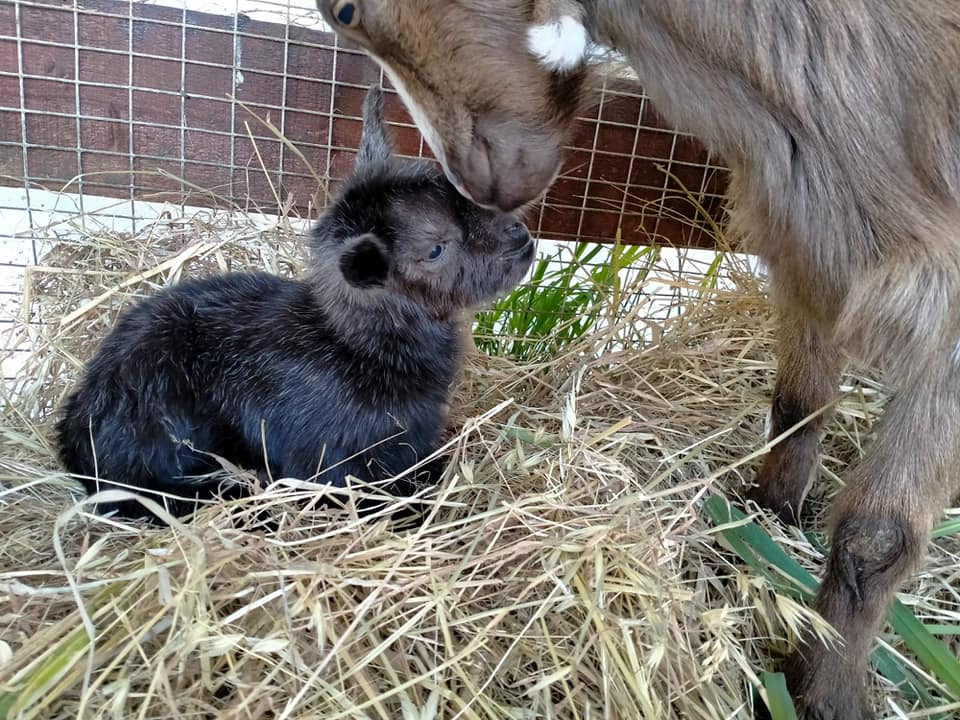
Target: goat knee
<point>870,553</point>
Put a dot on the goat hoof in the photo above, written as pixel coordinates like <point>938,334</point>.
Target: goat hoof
<point>824,687</point>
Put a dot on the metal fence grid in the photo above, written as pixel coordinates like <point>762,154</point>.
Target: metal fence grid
<point>110,92</point>
<point>110,102</point>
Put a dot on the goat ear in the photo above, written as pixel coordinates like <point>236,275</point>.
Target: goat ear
<point>375,145</point>
<point>365,263</point>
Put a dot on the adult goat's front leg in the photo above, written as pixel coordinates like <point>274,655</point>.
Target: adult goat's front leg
<point>880,525</point>
<point>808,371</point>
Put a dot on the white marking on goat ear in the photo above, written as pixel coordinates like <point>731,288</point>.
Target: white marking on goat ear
<point>560,46</point>
<point>768,424</point>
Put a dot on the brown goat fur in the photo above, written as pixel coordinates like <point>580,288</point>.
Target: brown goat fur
<point>840,122</point>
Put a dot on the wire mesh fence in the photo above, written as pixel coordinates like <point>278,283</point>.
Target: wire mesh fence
<point>113,113</point>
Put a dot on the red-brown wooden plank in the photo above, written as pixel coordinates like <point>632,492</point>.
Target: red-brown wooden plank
<point>612,178</point>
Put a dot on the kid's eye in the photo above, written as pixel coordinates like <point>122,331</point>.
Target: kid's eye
<point>436,252</point>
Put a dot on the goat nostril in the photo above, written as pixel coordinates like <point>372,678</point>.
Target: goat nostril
<point>518,231</point>
<point>517,235</point>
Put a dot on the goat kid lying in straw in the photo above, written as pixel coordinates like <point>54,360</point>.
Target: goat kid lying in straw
<point>346,371</point>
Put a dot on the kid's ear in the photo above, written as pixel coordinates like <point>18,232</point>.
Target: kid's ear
<point>375,145</point>
<point>364,262</point>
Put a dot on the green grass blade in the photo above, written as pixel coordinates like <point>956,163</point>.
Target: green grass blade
<point>569,295</point>
<point>778,699</point>
<point>50,668</point>
<point>749,533</point>
<point>754,545</point>
<point>911,686</point>
<point>947,528</point>
<point>931,652</point>
<point>937,629</point>
<point>712,274</point>
<point>7,701</point>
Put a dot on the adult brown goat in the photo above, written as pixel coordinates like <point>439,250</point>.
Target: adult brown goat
<point>840,122</point>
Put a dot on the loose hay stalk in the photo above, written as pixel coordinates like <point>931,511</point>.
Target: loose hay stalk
<point>567,568</point>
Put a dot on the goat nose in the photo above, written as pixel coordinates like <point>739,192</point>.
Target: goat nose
<point>508,165</point>
<point>516,236</point>
<point>518,233</point>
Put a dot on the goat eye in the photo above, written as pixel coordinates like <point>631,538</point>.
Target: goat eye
<point>346,14</point>
<point>436,252</point>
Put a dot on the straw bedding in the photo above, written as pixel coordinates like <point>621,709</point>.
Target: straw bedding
<point>566,569</point>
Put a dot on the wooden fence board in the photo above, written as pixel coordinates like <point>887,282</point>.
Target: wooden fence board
<point>115,91</point>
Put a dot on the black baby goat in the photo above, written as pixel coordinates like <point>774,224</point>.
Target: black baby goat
<point>344,372</point>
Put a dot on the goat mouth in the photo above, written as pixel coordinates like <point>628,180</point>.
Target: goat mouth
<point>524,252</point>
